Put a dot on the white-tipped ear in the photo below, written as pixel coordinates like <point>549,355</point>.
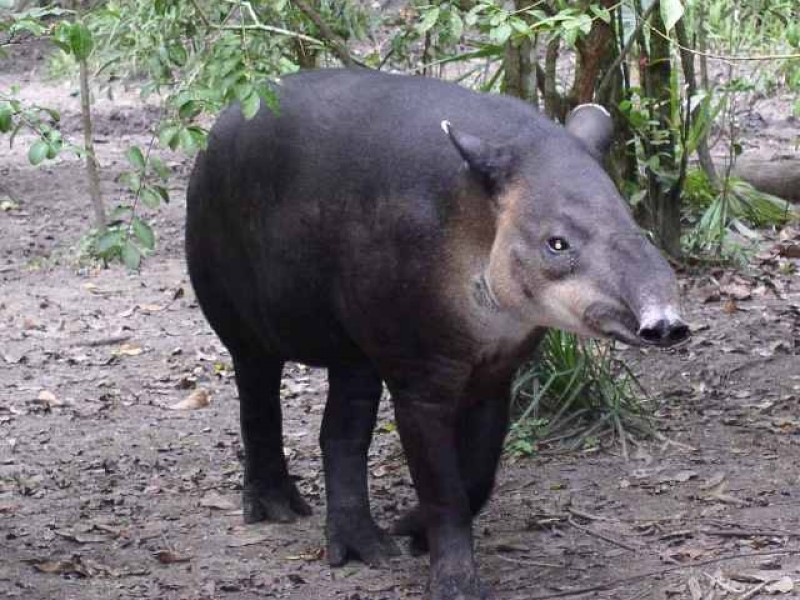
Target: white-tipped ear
<point>493,164</point>
<point>592,124</point>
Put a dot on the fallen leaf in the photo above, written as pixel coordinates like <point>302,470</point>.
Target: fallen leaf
<point>715,480</point>
<point>55,566</point>
<point>150,308</point>
<point>309,556</point>
<point>7,205</point>
<point>168,557</point>
<point>709,293</point>
<point>679,477</point>
<point>729,307</point>
<point>247,540</point>
<point>217,501</point>
<point>128,350</point>
<point>74,566</point>
<point>48,398</point>
<point>694,588</point>
<point>737,291</point>
<point>789,233</point>
<point>199,398</point>
<point>29,324</point>
<point>783,586</point>
<point>204,356</point>
<point>80,538</point>
<point>682,555</point>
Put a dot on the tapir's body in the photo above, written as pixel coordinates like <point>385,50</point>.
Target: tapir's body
<point>350,231</point>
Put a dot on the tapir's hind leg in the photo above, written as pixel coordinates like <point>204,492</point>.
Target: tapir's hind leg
<point>269,494</point>
<point>354,393</point>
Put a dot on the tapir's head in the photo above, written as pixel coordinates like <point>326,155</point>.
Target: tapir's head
<point>566,251</point>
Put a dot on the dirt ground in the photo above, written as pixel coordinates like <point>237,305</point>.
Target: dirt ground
<point>106,493</point>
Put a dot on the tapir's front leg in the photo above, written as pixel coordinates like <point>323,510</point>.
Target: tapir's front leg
<point>427,423</point>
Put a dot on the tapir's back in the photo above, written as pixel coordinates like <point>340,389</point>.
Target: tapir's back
<point>363,131</point>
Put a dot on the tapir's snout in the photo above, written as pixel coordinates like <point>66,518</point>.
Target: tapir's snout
<point>664,331</point>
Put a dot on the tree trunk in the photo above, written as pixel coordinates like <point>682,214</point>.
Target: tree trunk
<point>552,99</point>
<point>517,66</point>
<point>592,54</point>
<point>92,173</point>
<point>664,208</point>
<point>687,61</point>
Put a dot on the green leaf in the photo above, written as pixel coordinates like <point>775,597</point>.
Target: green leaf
<point>793,35</point>
<point>119,213</point>
<point>144,233</point>
<point>500,34</point>
<point>163,192</point>
<point>186,142</point>
<point>53,148</point>
<point>242,90</point>
<point>168,136</point>
<point>456,25</point>
<point>107,242</point>
<point>131,180</point>
<point>29,25</point>
<point>189,110</point>
<point>250,105</point>
<point>160,168</point>
<point>601,13</point>
<point>131,256</point>
<point>671,12</point>
<point>38,152</point>
<point>136,158</point>
<point>80,41</point>
<point>520,26</point>
<point>428,20</point>
<point>150,197</point>
<point>199,136</point>
<point>6,120</point>
<point>177,55</point>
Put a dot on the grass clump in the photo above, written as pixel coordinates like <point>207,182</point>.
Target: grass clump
<point>576,394</point>
<point>722,217</point>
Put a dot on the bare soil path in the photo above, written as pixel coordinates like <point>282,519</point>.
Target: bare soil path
<point>106,493</point>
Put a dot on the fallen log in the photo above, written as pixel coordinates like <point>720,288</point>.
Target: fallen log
<point>779,176</point>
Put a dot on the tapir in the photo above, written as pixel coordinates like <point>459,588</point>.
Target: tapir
<point>406,231</point>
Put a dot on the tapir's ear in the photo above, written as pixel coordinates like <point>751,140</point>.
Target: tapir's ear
<point>493,164</point>
<point>592,124</point>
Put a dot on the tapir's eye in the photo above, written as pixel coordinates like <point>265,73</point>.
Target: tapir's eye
<point>557,244</point>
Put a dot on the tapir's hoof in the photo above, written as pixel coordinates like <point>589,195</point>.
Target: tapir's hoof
<point>357,536</point>
<point>282,505</point>
<point>458,587</point>
<point>412,525</point>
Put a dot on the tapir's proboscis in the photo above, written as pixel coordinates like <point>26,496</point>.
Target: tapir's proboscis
<point>407,231</point>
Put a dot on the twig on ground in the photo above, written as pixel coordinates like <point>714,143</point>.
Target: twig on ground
<point>601,536</point>
<point>107,341</point>
<point>754,591</point>
<point>614,583</point>
<point>585,515</point>
<point>531,563</point>
<point>741,533</point>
